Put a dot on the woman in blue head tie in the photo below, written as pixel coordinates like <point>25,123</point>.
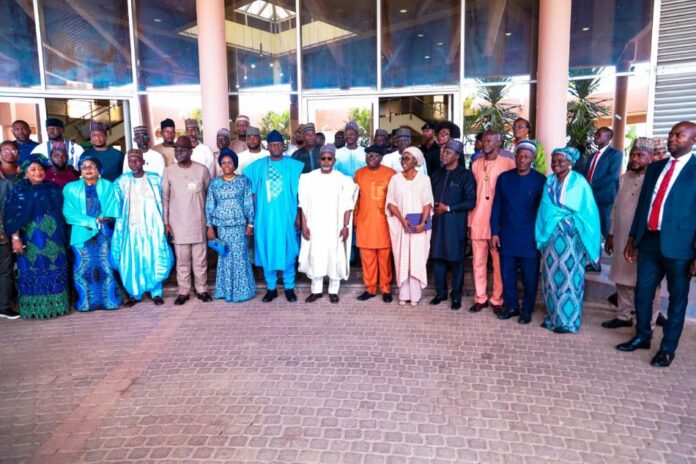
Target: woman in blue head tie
<point>568,235</point>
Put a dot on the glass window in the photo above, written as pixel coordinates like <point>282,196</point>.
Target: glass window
<point>167,43</point>
<point>420,42</point>
<point>268,112</point>
<point>177,107</point>
<point>500,37</point>
<point>616,33</point>
<point>19,62</point>
<point>339,46</point>
<point>86,44</point>
<point>261,44</point>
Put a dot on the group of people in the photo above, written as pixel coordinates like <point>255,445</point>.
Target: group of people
<point>308,208</point>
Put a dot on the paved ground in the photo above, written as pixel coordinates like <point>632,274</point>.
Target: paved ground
<point>348,383</point>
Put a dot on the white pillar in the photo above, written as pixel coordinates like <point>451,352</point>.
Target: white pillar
<point>552,73</point>
<point>212,61</point>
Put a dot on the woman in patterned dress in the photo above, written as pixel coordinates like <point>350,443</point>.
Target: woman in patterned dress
<point>568,236</point>
<point>90,206</point>
<point>229,211</point>
<point>34,221</point>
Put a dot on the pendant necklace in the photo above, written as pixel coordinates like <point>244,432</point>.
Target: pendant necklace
<point>486,178</point>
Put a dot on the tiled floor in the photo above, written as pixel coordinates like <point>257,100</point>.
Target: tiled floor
<point>347,383</point>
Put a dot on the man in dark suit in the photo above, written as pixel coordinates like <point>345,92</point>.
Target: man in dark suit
<point>663,237</point>
<point>603,171</point>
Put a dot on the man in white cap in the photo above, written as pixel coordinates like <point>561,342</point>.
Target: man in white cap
<point>55,129</point>
<point>202,154</point>
<point>154,161</point>
<point>326,200</point>
<point>255,150</point>
<point>241,126</point>
<point>350,157</point>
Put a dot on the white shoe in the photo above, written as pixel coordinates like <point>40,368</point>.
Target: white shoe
<point>414,303</point>
<point>9,313</point>
<point>402,302</point>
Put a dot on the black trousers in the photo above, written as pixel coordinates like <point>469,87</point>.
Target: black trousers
<point>529,268</point>
<point>7,283</point>
<point>440,269</point>
<point>652,267</point>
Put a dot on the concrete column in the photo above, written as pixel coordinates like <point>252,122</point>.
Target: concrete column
<point>212,60</point>
<point>620,107</point>
<point>552,73</point>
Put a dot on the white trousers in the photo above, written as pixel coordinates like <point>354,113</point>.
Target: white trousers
<point>318,285</point>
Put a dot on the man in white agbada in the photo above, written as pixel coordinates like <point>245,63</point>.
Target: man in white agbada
<point>254,151</point>
<point>326,199</point>
<point>202,153</point>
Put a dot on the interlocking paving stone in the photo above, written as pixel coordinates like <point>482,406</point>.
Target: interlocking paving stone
<point>348,383</point>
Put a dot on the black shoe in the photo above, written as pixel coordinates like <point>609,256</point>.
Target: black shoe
<point>661,320</point>
<point>158,300</point>
<point>525,318</point>
<point>497,309</point>
<point>456,305</point>
<point>437,300</point>
<point>634,344</point>
<point>476,307</point>
<point>507,313</point>
<point>616,323</point>
<point>313,297</point>
<point>290,295</point>
<point>181,299</point>
<point>613,299</point>
<point>662,359</point>
<point>9,313</point>
<point>364,296</point>
<point>204,297</point>
<point>387,297</point>
<point>333,298</point>
<point>593,268</point>
<point>561,330</point>
<point>270,296</point>
<point>129,302</point>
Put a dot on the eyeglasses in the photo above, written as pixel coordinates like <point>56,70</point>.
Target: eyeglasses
<point>9,150</point>
<point>519,126</point>
<point>325,158</point>
<point>88,166</point>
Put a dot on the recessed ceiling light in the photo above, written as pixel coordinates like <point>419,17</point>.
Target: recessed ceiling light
<point>270,64</point>
<point>157,20</point>
<point>585,29</point>
<point>508,34</point>
<point>427,57</point>
<point>253,66</point>
<point>281,74</point>
<point>403,10</point>
<point>440,44</point>
<point>420,35</point>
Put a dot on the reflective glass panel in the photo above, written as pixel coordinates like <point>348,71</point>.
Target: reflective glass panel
<point>420,42</point>
<point>500,37</point>
<point>167,43</point>
<point>267,112</point>
<point>261,44</point>
<point>86,44</point>
<point>177,107</point>
<point>610,33</point>
<point>19,62</point>
<point>339,46</point>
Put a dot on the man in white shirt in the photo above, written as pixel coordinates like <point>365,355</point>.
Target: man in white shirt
<point>350,157</point>
<point>55,128</point>
<point>154,161</point>
<point>393,159</point>
<point>202,154</point>
<point>253,152</point>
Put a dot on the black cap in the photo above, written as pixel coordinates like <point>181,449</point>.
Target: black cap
<point>375,149</point>
<point>429,125</point>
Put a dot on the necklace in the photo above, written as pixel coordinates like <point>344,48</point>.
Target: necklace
<point>487,166</point>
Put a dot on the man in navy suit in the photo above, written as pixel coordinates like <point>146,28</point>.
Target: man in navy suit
<point>603,172</point>
<point>663,237</point>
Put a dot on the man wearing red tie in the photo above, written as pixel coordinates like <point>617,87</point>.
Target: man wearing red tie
<point>603,172</point>
<point>663,240</point>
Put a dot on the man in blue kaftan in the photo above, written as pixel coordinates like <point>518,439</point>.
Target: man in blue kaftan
<point>139,248</point>
<point>274,182</point>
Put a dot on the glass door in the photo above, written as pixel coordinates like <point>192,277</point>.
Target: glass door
<point>29,110</point>
<point>330,115</point>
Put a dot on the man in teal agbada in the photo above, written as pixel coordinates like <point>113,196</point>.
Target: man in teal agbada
<point>139,248</point>
<point>274,183</point>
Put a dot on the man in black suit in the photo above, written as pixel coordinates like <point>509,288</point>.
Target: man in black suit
<point>663,239</point>
<point>603,172</point>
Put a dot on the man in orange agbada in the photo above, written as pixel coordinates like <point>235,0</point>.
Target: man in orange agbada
<point>372,229</point>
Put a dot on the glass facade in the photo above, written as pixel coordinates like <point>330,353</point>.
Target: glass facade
<point>167,44</point>
<point>339,44</point>
<point>19,60</point>
<point>420,42</point>
<point>261,45</point>
<point>86,45</point>
<point>383,55</point>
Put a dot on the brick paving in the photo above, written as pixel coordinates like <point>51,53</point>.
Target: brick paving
<point>356,382</point>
